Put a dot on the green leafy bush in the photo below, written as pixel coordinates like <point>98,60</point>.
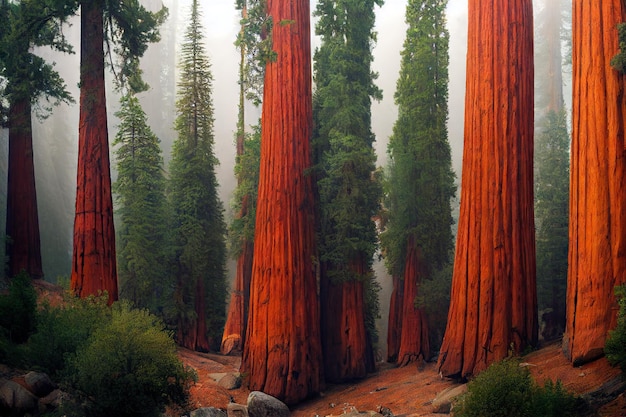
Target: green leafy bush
<point>18,309</point>
<point>615,347</point>
<point>129,367</point>
<point>507,390</point>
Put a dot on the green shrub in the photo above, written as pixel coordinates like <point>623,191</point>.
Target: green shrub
<point>129,367</point>
<point>615,347</point>
<point>18,308</point>
<point>507,390</point>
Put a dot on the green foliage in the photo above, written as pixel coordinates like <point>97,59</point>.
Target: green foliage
<point>615,347</point>
<point>198,224</point>
<point>140,194</point>
<point>17,310</point>
<point>506,389</point>
<point>129,367</point>
<point>619,60</point>
<point>434,298</point>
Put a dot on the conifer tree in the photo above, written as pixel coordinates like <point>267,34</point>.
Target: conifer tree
<point>418,238</point>
<point>26,79</point>
<point>349,194</point>
<point>198,220</point>
<point>140,193</point>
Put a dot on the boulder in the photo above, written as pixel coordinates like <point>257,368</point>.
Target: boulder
<point>17,399</point>
<point>442,404</point>
<point>39,383</point>
<point>261,404</point>
<point>208,412</point>
<point>236,410</point>
<point>230,381</point>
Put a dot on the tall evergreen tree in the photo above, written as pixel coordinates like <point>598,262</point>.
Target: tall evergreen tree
<point>418,239</point>
<point>26,79</point>
<point>349,194</point>
<point>140,192</point>
<point>198,219</point>
<point>128,27</point>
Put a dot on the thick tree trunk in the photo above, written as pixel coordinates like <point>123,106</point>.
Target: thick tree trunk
<point>344,340</point>
<point>493,302</point>
<point>22,221</point>
<point>414,343</point>
<point>282,353</point>
<point>93,259</point>
<point>597,225</point>
<point>394,328</point>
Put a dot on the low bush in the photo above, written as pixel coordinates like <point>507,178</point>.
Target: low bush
<point>615,347</point>
<point>18,309</point>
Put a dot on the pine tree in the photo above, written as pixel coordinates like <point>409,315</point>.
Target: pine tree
<point>128,27</point>
<point>140,193</point>
<point>198,220</point>
<point>418,238</point>
<point>26,79</point>
<point>348,191</point>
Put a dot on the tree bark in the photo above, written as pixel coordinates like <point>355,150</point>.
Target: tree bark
<point>597,224</point>
<point>93,259</point>
<point>282,354</point>
<point>394,328</point>
<point>414,343</point>
<point>493,298</point>
<point>22,221</point>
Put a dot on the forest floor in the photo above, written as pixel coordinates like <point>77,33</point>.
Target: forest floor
<point>406,391</point>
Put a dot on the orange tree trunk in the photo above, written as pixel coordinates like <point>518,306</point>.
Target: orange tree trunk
<point>414,343</point>
<point>493,298</point>
<point>597,224</point>
<point>22,221</point>
<point>394,328</point>
<point>282,353</point>
<point>93,259</point>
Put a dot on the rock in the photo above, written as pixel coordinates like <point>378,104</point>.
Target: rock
<point>261,404</point>
<point>52,400</point>
<point>230,381</point>
<point>18,399</point>
<point>208,412</point>
<point>442,404</point>
<point>39,383</point>
<point>236,410</point>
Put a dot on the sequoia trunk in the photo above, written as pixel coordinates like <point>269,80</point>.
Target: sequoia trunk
<point>282,354</point>
<point>394,328</point>
<point>597,224</point>
<point>22,221</point>
<point>93,259</point>
<point>493,299</point>
<point>414,344</point>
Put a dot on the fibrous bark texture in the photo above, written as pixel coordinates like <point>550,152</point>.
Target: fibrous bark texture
<point>597,225</point>
<point>493,300</point>
<point>282,353</point>
<point>22,221</point>
<point>93,259</point>
<point>414,343</point>
<point>394,328</point>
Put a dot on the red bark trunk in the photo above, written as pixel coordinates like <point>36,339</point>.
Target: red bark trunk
<point>282,354</point>
<point>414,343</point>
<point>597,225</point>
<point>493,302</point>
<point>93,259</point>
<point>394,329</point>
<point>344,339</point>
<point>22,221</point>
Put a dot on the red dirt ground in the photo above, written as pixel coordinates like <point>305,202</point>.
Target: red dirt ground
<point>406,391</point>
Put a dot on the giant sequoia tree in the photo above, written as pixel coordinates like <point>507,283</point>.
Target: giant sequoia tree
<point>418,238</point>
<point>282,353</point>
<point>349,195</point>
<point>493,299</point>
<point>597,226</point>
<point>26,79</point>
<point>129,27</point>
<point>198,216</point>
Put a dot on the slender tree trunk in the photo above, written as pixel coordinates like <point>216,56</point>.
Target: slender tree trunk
<point>394,328</point>
<point>414,344</point>
<point>552,32</point>
<point>22,221</point>
<point>282,354</point>
<point>93,259</point>
<point>597,225</point>
<point>493,302</point>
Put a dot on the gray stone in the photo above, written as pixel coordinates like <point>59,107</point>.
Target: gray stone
<point>18,399</point>
<point>261,404</point>
<point>230,381</point>
<point>442,404</point>
<point>236,410</point>
<point>208,412</point>
<point>39,383</point>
